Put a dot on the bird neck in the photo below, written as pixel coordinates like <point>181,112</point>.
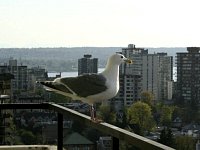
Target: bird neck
<point>111,72</point>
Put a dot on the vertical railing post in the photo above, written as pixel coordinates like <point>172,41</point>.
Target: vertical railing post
<point>115,143</point>
<point>60,132</point>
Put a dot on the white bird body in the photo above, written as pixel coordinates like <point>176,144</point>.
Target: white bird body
<point>91,88</point>
<point>112,83</point>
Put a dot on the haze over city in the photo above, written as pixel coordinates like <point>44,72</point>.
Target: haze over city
<point>77,23</point>
<point>66,46</point>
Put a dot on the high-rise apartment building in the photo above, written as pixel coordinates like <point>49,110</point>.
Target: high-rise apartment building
<point>36,74</point>
<point>130,77</point>
<point>165,83</point>
<point>5,115</point>
<point>149,72</point>
<point>157,74</point>
<point>20,75</point>
<point>24,78</point>
<point>188,76</point>
<point>87,65</point>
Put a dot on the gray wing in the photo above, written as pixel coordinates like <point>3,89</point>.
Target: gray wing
<point>56,86</point>
<point>86,85</point>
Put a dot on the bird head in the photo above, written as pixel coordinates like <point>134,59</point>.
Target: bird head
<point>119,58</point>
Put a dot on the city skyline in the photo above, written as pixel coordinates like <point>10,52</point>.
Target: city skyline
<point>78,23</point>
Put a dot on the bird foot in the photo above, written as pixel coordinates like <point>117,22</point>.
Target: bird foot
<point>96,120</point>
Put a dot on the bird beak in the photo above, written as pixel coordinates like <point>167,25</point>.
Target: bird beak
<point>128,61</point>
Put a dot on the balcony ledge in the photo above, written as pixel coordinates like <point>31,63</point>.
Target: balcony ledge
<point>28,147</point>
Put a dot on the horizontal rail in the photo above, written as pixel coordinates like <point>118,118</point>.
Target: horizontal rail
<point>121,134</point>
<point>24,106</point>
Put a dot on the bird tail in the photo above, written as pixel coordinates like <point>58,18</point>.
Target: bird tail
<point>47,84</point>
<point>54,86</point>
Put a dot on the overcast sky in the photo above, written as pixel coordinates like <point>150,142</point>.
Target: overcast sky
<point>77,23</point>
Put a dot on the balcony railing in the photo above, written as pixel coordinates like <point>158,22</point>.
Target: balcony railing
<point>116,132</point>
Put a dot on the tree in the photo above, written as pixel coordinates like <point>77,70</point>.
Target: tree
<point>58,98</point>
<point>92,134</point>
<point>166,115</point>
<point>185,143</point>
<point>166,137</point>
<point>140,114</point>
<point>107,114</point>
<point>78,126</point>
<point>121,120</point>
<point>147,97</point>
<point>28,137</point>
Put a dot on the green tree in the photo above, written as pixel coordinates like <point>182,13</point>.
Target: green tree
<point>147,97</point>
<point>121,121</point>
<point>166,137</point>
<point>166,115</point>
<point>177,112</point>
<point>39,91</point>
<point>106,114</point>
<point>58,98</point>
<point>78,126</point>
<point>140,114</point>
<point>92,134</point>
<point>28,137</point>
<point>185,143</point>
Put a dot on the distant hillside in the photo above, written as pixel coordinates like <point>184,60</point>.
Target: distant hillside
<point>65,59</point>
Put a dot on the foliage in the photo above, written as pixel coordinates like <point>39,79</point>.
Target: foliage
<point>92,134</point>
<point>121,121</point>
<point>177,112</point>
<point>27,137</point>
<point>58,98</point>
<point>107,114</point>
<point>140,113</point>
<point>39,91</point>
<point>166,137</point>
<point>185,143</point>
<point>166,115</point>
<point>77,126</point>
<point>126,146</point>
<point>147,97</point>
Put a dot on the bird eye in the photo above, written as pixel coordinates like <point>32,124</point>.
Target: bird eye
<point>122,56</point>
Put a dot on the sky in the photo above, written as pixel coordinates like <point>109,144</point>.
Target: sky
<point>100,23</point>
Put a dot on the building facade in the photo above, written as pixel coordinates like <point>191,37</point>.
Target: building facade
<point>166,77</point>
<point>5,115</point>
<point>157,75</point>
<point>149,73</point>
<point>20,73</point>
<point>87,64</point>
<point>36,74</point>
<point>188,76</point>
<point>24,77</point>
<point>130,77</point>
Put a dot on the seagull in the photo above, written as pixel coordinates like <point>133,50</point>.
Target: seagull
<point>91,88</point>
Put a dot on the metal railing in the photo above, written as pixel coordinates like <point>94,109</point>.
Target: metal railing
<point>116,132</point>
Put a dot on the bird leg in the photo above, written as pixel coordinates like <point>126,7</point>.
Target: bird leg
<point>93,115</point>
<point>92,112</point>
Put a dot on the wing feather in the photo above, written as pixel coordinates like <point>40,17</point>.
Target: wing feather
<point>86,85</point>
